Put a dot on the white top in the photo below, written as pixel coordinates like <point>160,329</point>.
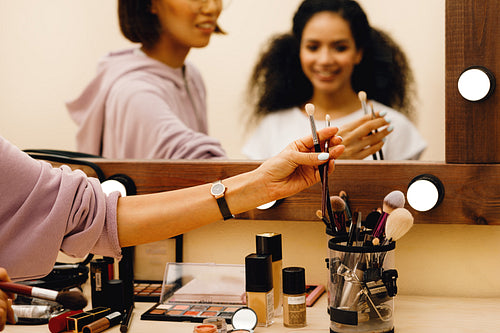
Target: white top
<point>278,129</point>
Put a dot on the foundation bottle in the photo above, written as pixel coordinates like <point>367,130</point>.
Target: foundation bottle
<point>259,287</point>
<point>294,297</point>
<point>270,243</point>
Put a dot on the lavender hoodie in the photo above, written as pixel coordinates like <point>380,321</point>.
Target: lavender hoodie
<point>143,109</point>
<point>45,209</point>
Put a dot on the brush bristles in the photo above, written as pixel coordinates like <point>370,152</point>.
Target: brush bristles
<point>393,200</point>
<point>72,300</point>
<point>362,96</point>
<point>398,224</point>
<point>338,204</point>
<point>310,109</point>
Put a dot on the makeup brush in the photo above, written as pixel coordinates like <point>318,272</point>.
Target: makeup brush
<point>72,300</point>
<point>338,209</point>
<point>393,200</point>
<point>310,112</point>
<point>398,224</point>
<point>362,98</point>
<point>380,153</point>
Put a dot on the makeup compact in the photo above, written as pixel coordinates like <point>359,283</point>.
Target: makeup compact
<point>193,292</point>
<point>243,320</point>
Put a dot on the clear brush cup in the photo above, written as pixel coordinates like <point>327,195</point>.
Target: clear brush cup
<point>362,285</point>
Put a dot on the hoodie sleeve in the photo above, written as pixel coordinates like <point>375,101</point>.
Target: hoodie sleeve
<point>45,210</point>
<point>150,118</point>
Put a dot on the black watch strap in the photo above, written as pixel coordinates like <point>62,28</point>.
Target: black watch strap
<point>224,209</point>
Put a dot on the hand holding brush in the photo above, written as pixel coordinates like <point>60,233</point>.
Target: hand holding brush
<point>72,300</point>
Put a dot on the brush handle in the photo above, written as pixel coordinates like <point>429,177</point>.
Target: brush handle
<point>29,291</point>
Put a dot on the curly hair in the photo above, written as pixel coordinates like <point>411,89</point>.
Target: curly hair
<point>278,82</point>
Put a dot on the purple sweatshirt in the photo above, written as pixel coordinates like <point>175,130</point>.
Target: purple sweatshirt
<point>45,209</point>
<point>140,108</point>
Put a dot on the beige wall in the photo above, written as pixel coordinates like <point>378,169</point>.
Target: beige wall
<point>50,50</point>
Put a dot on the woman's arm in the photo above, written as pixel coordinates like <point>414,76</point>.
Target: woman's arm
<point>148,218</point>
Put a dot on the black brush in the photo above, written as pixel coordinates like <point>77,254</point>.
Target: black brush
<point>72,300</point>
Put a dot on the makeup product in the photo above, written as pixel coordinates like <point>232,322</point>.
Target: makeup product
<point>270,243</point>
<point>244,321</point>
<point>310,112</point>
<point>393,200</point>
<point>104,323</point>
<point>294,297</point>
<point>147,290</point>
<point>193,292</point>
<point>58,323</point>
<point>76,322</point>
<point>313,292</point>
<point>259,287</point>
<point>115,298</point>
<point>205,328</point>
<point>219,322</point>
<point>72,300</point>
<point>126,319</point>
<point>101,271</point>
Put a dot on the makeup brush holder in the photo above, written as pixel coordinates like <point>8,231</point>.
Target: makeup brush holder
<point>361,288</point>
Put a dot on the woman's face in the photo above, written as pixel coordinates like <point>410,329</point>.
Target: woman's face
<point>328,53</point>
<point>187,23</point>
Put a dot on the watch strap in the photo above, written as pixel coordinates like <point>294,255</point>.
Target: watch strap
<point>224,209</point>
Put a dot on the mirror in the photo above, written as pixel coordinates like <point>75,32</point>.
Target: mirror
<point>53,48</point>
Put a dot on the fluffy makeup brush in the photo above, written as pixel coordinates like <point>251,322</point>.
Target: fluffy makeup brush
<point>72,300</point>
<point>398,224</point>
<point>338,212</point>
<point>393,200</point>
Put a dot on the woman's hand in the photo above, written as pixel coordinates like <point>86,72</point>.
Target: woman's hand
<point>296,167</point>
<point>6,312</point>
<point>359,138</point>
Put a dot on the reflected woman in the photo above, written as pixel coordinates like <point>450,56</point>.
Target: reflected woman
<point>331,54</point>
<point>148,102</point>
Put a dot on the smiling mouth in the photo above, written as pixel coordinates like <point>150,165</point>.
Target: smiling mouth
<point>327,75</point>
<point>206,26</point>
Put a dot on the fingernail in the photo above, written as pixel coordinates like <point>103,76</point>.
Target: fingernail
<point>382,113</point>
<point>16,319</point>
<point>390,128</point>
<point>323,156</point>
<point>341,138</point>
<point>388,120</point>
<point>384,139</point>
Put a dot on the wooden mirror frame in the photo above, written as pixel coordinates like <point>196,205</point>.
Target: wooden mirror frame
<point>471,175</point>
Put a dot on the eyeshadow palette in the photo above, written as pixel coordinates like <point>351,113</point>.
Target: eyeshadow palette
<point>190,312</point>
<point>147,291</point>
<point>193,292</point>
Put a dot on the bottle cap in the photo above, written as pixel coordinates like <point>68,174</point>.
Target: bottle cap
<point>294,280</point>
<point>258,272</point>
<point>269,243</point>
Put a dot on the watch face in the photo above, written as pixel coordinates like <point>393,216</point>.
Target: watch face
<point>218,189</point>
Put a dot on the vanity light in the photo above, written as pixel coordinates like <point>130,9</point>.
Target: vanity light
<point>121,183</point>
<point>425,192</point>
<point>476,83</point>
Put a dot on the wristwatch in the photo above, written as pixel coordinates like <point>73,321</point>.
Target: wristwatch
<point>218,190</point>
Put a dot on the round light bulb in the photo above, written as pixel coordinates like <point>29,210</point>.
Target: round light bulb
<point>476,84</point>
<point>425,192</point>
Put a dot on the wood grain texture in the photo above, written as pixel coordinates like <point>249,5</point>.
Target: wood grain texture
<point>472,39</point>
<point>471,191</point>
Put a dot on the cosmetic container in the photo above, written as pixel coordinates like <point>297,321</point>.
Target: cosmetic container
<point>270,243</point>
<point>362,286</point>
<point>259,287</point>
<point>205,328</point>
<point>101,271</point>
<point>294,297</point>
<point>219,322</point>
<point>243,320</point>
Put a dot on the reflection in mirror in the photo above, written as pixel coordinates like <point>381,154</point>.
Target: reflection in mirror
<point>54,48</point>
